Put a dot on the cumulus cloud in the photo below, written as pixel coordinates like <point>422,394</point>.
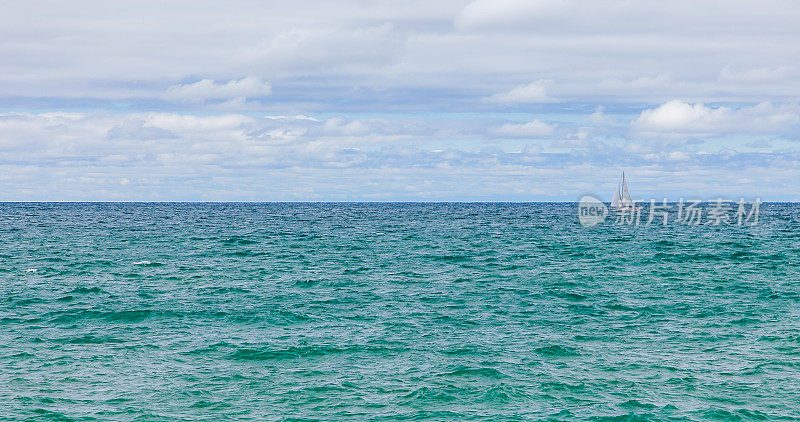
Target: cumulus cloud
<point>599,117</point>
<point>174,156</point>
<point>532,129</point>
<point>209,89</point>
<point>400,64</point>
<point>677,119</point>
<point>534,92</point>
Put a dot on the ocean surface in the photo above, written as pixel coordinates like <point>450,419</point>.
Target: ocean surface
<point>393,312</point>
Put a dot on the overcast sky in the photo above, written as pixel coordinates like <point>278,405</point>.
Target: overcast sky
<point>487,100</point>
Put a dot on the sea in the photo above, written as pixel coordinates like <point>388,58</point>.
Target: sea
<point>393,311</point>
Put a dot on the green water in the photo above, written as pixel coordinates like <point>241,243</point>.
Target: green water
<point>393,312</point>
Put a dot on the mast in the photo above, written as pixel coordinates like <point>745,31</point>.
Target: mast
<point>626,196</point>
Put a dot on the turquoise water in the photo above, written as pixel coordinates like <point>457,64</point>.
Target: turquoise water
<point>393,312</point>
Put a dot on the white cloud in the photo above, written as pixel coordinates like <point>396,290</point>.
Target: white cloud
<point>598,117</point>
<point>385,55</point>
<point>137,129</point>
<point>173,156</point>
<point>339,125</point>
<point>208,89</point>
<point>295,117</point>
<point>396,73</point>
<point>677,119</point>
<point>534,92</point>
<point>211,126</point>
<point>532,129</point>
<point>678,156</point>
<point>642,82</point>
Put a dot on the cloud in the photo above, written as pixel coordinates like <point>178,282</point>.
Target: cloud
<point>208,89</point>
<point>386,57</point>
<point>339,125</point>
<point>727,74</point>
<point>642,82</point>
<point>138,129</point>
<point>677,119</point>
<point>498,13</point>
<point>410,84</point>
<point>329,48</point>
<point>295,117</point>
<point>174,156</point>
<point>532,129</point>
<point>534,92</point>
<point>598,117</point>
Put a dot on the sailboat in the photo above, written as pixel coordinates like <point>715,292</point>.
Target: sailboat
<point>622,198</point>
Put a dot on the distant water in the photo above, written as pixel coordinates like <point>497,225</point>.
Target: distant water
<point>393,312</point>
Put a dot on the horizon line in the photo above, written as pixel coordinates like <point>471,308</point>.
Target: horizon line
<point>348,202</point>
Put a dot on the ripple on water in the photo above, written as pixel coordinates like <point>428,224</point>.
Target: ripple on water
<point>454,312</point>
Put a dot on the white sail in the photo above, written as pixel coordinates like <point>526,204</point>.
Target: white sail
<point>616,201</point>
<point>622,198</point>
<point>626,196</point>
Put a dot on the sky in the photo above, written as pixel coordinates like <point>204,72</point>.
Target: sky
<point>484,100</point>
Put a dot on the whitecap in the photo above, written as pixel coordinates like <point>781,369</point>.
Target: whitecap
<point>31,270</point>
<point>142,263</point>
